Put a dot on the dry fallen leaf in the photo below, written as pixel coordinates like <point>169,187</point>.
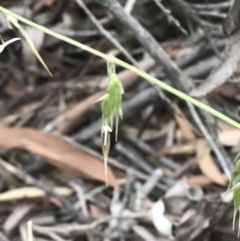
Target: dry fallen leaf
<point>57,150</point>
<point>97,210</point>
<point>207,165</point>
<point>72,117</point>
<point>199,180</point>
<point>31,193</point>
<point>229,137</point>
<point>49,2</point>
<point>186,128</point>
<point>177,150</point>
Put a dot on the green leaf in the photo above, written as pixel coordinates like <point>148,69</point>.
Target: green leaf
<point>234,185</point>
<point>235,178</point>
<point>235,175</point>
<point>236,202</point>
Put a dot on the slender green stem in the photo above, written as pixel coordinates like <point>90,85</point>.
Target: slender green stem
<point>125,65</point>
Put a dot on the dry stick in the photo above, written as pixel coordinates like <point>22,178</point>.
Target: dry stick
<point>69,229</point>
<point>144,233</point>
<point>211,6</point>
<point>183,8</point>
<point>169,67</point>
<point>231,24</point>
<point>129,6</point>
<point>215,147</point>
<point>82,199</point>
<point>118,165</point>
<point>106,33</point>
<point>170,17</point>
<point>212,14</point>
<point>186,10</point>
<point>223,71</point>
<point>3,237</point>
<point>28,179</point>
<point>126,151</point>
<point>147,187</point>
<point>54,236</point>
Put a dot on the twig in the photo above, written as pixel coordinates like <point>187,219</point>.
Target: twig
<point>129,6</point>
<point>151,183</point>
<point>29,231</point>
<point>145,189</point>
<point>183,8</point>
<point>224,163</point>
<point>128,188</point>
<point>83,204</point>
<point>55,236</point>
<point>74,229</point>
<point>15,218</point>
<point>144,233</point>
<point>106,33</point>
<point>32,181</point>
<point>3,237</point>
<point>118,165</point>
<point>212,14</point>
<point>223,71</point>
<point>81,197</point>
<point>170,17</point>
<point>216,5</point>
<point>133,156</point>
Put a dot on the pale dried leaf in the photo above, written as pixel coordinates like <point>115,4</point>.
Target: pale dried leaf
<point>178,149</point>
<point>73,116</point>
<point>31,193</point>
<point>229,137</point>
<point>57,150</point>
<point>185,127</point>
<point>207,164</point>
<point>49,2</point>
<point>199,180</point>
